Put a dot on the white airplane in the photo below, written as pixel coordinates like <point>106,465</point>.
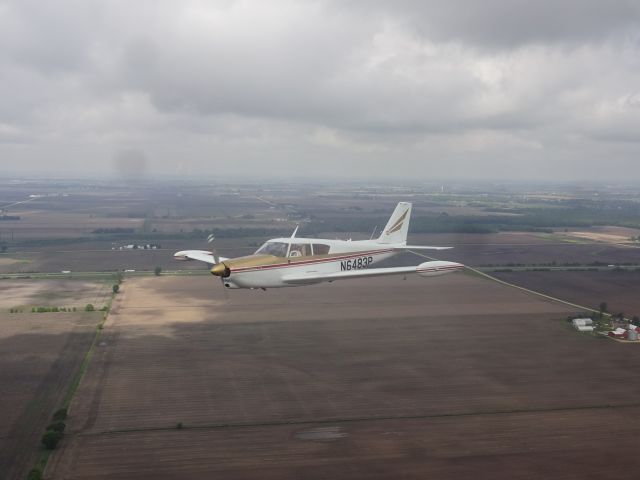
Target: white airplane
<point>290,262</point>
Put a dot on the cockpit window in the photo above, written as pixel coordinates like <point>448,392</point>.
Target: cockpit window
<point>320,249</point>
<point>300,250</point>
<point>278,249</point>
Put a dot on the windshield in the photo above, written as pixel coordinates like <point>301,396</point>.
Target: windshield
<point>278,249</point>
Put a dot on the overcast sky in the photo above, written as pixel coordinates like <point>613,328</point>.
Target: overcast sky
<point>404,89</point>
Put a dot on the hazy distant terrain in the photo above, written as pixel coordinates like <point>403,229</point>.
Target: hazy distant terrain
<point>311,379</point>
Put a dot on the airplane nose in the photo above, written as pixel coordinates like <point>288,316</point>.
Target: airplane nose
<point>220,270</point>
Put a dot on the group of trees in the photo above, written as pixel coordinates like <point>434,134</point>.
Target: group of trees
<point>604,308</point>
<point>87,308</point>
<point>52,309</point>
<point>55,430</point>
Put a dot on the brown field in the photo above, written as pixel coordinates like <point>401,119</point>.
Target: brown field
<point>442,378</point>
<point>39,353</point>
<point>36,224</point>
<point>618,289</point>
<point>604,234</point>
<point>525,249</point>
<point>6,261</point>
<point>60,293</point>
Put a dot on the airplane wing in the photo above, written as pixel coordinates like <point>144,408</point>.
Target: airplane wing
<point>200,255</point>
<point>426,269</point>
<point>420,247</point>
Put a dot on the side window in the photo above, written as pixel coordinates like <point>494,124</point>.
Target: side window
<point>300,250</point>
<point>279,249</point>
<point>320,249</point>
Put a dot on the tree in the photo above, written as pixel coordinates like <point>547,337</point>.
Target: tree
<point>603,307</point>
<point>635,320</point>
<point>51,438</point>
<point>116,288</point>
<point>57,426</point>
<point>157,271</point>
<point>89,308</point>
<point>34,474</point>
<point>60,415</point>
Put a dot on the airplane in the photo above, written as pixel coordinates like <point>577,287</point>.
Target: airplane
<point>293,261</point>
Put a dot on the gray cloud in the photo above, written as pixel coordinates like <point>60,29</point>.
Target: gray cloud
<point>510,23</point>
<point>130,164</point>
<point>503,87</point>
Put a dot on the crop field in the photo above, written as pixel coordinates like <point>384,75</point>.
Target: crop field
<point>605,234</point>
<point>560,254</point>
<point>447,377</point>
<point>39,354</point>
<point>25,294</point>
<point>619,289</point>
<point>41,224</point>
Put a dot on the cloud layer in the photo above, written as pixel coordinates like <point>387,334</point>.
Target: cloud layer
<point>418,89</point>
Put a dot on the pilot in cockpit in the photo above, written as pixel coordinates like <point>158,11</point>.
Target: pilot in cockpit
<point>299,250</point>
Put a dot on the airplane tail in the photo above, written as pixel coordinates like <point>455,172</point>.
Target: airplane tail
<point>397,226</point>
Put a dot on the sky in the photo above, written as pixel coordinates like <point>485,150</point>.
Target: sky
<point>409,89</point>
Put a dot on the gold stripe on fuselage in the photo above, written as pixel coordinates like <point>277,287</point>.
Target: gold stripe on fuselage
<point>256,261</point>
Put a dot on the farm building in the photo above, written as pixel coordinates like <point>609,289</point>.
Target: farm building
<point>583,324</point>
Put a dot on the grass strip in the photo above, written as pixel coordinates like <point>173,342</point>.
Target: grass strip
<point>43,458</point>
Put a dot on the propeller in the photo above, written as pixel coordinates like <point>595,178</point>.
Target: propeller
<point>214,252</point>
<point>216,258</point>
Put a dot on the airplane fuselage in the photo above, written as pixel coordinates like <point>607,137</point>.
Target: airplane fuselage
<point>271,271</point>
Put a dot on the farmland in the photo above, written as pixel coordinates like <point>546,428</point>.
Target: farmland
<point>617,288</point>
<point>377,378</point>
<point>25,294</point>
<point>443,378</point>
<point>39,354</point>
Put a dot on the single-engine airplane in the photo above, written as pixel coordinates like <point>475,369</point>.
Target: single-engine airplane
<point>290,262</point>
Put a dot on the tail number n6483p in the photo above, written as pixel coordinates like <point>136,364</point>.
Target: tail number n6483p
<point>362,262</point>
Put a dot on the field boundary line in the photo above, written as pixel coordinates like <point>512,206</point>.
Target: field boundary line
<point>276,423</point>
<point>527,290</point>
<point>540,294</point>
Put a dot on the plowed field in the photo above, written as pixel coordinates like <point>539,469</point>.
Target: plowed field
<point>448,377</point>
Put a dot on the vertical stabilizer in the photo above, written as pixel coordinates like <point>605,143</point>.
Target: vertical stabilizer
<point>397,226</point>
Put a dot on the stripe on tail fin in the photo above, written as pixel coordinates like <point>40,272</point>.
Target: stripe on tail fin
<point>397,226</point>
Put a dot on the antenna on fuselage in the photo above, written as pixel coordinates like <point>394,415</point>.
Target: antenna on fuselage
<point>293,235</point>
<point>374,232</point>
